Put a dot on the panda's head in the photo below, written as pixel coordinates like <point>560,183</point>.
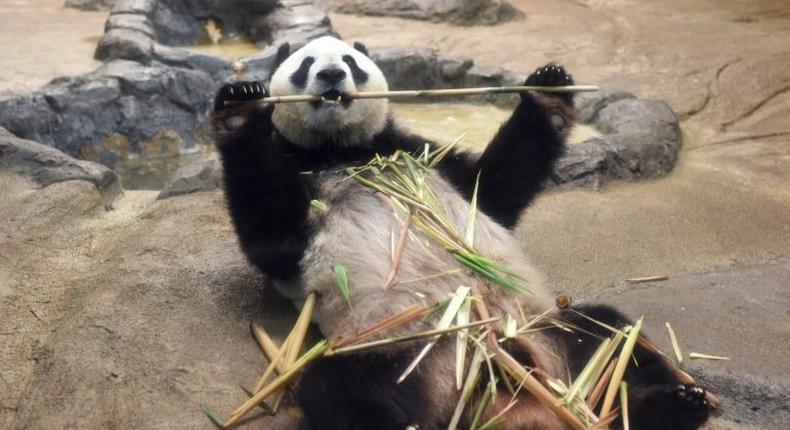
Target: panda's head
<point>330,68</point>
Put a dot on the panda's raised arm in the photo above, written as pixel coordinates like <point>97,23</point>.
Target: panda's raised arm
<point>521,156</point>
<point>268,199</point>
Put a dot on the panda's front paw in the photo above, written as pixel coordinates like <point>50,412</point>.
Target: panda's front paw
<point>690,397</point>
<point>236,92</point>
<point>552,75</point>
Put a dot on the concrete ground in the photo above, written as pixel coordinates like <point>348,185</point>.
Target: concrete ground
<point>718,226</point>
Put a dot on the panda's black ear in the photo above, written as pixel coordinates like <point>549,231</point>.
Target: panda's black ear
<point>282,53</point>
<point>359,46</point>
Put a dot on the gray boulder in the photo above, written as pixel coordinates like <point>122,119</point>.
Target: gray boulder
<point>202,174</point>
<point>90,4</point>
<point>45,165</point>
<point>641,139</point>
<point>461,12</point>
<point>123,107</point>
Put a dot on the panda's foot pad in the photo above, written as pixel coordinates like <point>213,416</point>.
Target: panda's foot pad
<point>690,396</point>
<point>240,91</point>
<point>552,75</point>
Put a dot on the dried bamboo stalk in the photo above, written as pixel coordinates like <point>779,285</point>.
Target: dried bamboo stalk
<point>396,256</point>
<point>402,94</point>
<point>675,345</point>
<point>266,343</point>
<point>529,382</point>
<point>279,383</point>
<point>646,279</point>
<point>603,382</point>
<point>619,369</point>
<point>403,317</point>
<point>407,338</point>
<point>294,345</point>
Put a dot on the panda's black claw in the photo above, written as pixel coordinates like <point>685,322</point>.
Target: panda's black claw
<point>552,75</point>
<point>691,397</point>
<point>238,92</point>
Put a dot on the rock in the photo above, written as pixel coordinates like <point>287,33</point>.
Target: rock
<point>292,21</point>
<point>645,133</point>
<point>46,165</point>
<point>90,4</point>
<point>461,12</point>
<point>710,314</point>
<point>641,139</point>
<point>150,107</point>
<point>129,318</point>
<point>202,174</point>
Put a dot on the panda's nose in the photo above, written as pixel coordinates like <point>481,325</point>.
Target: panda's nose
<point>331,76</point>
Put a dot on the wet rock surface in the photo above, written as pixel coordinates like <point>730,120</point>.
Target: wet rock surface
<point>46,165</point>
<point>461,12</point>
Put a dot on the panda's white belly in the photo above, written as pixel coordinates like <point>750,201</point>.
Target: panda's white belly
<point>359,230</point>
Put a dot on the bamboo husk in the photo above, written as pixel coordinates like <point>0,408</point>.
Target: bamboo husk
<point>406,94</point>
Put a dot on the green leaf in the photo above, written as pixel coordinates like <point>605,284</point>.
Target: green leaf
<point>318,204</point>
<point>212,416</point>
<point>470,221</point>
<point>340,274</point>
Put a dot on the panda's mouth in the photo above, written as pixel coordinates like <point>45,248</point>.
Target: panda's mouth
<point>333,98</point>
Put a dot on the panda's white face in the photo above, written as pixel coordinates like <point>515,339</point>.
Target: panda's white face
<point>330,68</point>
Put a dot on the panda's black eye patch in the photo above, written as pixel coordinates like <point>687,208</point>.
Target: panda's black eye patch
<point>360,76</point>
<point>299,77</point>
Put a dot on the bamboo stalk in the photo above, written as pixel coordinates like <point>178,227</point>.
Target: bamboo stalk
<point>529,382</point>
<point>403,317</point>
<point>603,382</point>
<point>619,369</point>
<point>407,338</point>
<point>315,352</point>
<point>266,343</point>
<point>294,345</point>
<point>396,256</point>
<point>404,94</point>
<point>675,345</point>
<point>647,279</point>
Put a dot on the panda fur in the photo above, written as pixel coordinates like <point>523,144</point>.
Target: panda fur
<point>266,152</point>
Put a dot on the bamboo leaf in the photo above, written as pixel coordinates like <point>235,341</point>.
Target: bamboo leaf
<point>318,204</point>
<point>212,416</point>
<point>340,274</point>
<point>472,217</point>
<point>460,342</point>
<point>447,318</point>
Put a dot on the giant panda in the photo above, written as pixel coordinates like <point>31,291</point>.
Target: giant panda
<point>278,158</point>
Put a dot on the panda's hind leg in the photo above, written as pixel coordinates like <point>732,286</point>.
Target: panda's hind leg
<point>657,399</point>
<point>358,392</point>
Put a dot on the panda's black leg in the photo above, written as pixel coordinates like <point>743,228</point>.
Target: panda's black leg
<point>521,156</point>
<point>268,199</point>
<point>656,397</point>
<point>358,392</point>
